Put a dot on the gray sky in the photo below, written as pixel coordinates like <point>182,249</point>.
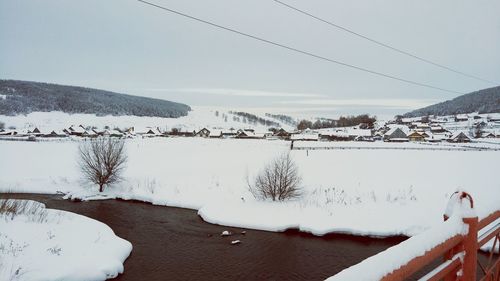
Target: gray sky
<point>126,46</point>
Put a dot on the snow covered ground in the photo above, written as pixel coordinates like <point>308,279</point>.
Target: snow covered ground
<point>46,244</point>
<point>197,119</point>
<point>367,192</point>
<point>491,144</point>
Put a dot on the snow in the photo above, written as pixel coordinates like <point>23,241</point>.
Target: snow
<point>378,266</point>
<point>358,191</point>
<point>476,145</point>
<point>196,119</point>
<point>59,246</point>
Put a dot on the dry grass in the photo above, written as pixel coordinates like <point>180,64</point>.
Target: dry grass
<point>34,211</point>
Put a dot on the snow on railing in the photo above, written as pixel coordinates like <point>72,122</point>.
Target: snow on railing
<point>456,240</point>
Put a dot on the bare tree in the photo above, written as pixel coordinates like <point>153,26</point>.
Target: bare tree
<point>102,160</point>
<point>279,180</point>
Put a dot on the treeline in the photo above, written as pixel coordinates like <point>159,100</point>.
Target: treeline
<point>23,97</point>
<point>364,120</point>
<point>285,119</point>
<point>254,119</point>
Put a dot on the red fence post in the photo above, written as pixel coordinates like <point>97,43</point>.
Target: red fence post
<point>452,276</point>
<point>470,247</point>
<point>469,244</point>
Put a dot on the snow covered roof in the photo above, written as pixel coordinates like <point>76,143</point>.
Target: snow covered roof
<point>337,133</point>
<point>393,129</point>
<point>458,133</point>
<point>147,130</point>
<point>410,120</point>
<point>77,129</point>
<point>249,134</point>
<point>359,132</point>
<point>414,133</point>
<point>309,136</point>
<point>57,132</point>
<point>215,133</point>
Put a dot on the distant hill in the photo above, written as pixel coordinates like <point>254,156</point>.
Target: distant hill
<point>23,97</point>
<point>483,101</point>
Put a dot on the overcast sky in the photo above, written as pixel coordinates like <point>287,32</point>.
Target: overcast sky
<point>126,46</point>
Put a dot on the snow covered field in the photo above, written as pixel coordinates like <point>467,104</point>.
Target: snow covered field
<point>46,244</point>
<point>368,192</point>
<point>490,144</point>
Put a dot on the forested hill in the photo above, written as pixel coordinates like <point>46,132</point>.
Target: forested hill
<point>483,101</point>
<point>23,97</point>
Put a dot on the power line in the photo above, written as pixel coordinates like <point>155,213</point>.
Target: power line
<point>384,44</point>
<point>298,50</point>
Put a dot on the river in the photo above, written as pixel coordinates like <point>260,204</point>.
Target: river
<point>176,244</point>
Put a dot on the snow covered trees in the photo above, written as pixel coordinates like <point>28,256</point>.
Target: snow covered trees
<point>279,180</point>
<point>102,160</point>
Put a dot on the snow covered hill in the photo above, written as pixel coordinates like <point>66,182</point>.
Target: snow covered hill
<point>198,118</point>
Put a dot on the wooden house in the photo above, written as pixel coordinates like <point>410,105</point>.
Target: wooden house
<point>282,134</point>
<point>204,133</point>
<point>415,136</point>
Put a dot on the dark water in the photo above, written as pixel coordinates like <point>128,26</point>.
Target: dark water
<point>175,244</point>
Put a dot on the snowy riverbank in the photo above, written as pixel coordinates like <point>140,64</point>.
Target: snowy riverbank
<point>46,244</point>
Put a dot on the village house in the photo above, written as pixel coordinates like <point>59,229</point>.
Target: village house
<point>247,134</point>
<point>204,133</point>
<point>179,133</point>
<point>75,130</point>
<point>423,126</point>
<point>8,133</point>
<point>148,132</point>
<point>215,134</point>
<point>396,134</point>
<point>35,132</point>
<point>488,135</point>
<point>89,134</point>
<point>338,135</point>
<point>459,137</point>
<point>231,133</point>
<point>461,118</point>
<point>55,134</point>
<point>437,129</point>
<point>282,134</point>
<point>416,136</point>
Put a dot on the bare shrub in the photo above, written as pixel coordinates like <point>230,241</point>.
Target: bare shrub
<point>102,160</point>
<point>279,180</point>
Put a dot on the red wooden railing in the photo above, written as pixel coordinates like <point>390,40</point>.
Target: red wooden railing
<point>460,257</point>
